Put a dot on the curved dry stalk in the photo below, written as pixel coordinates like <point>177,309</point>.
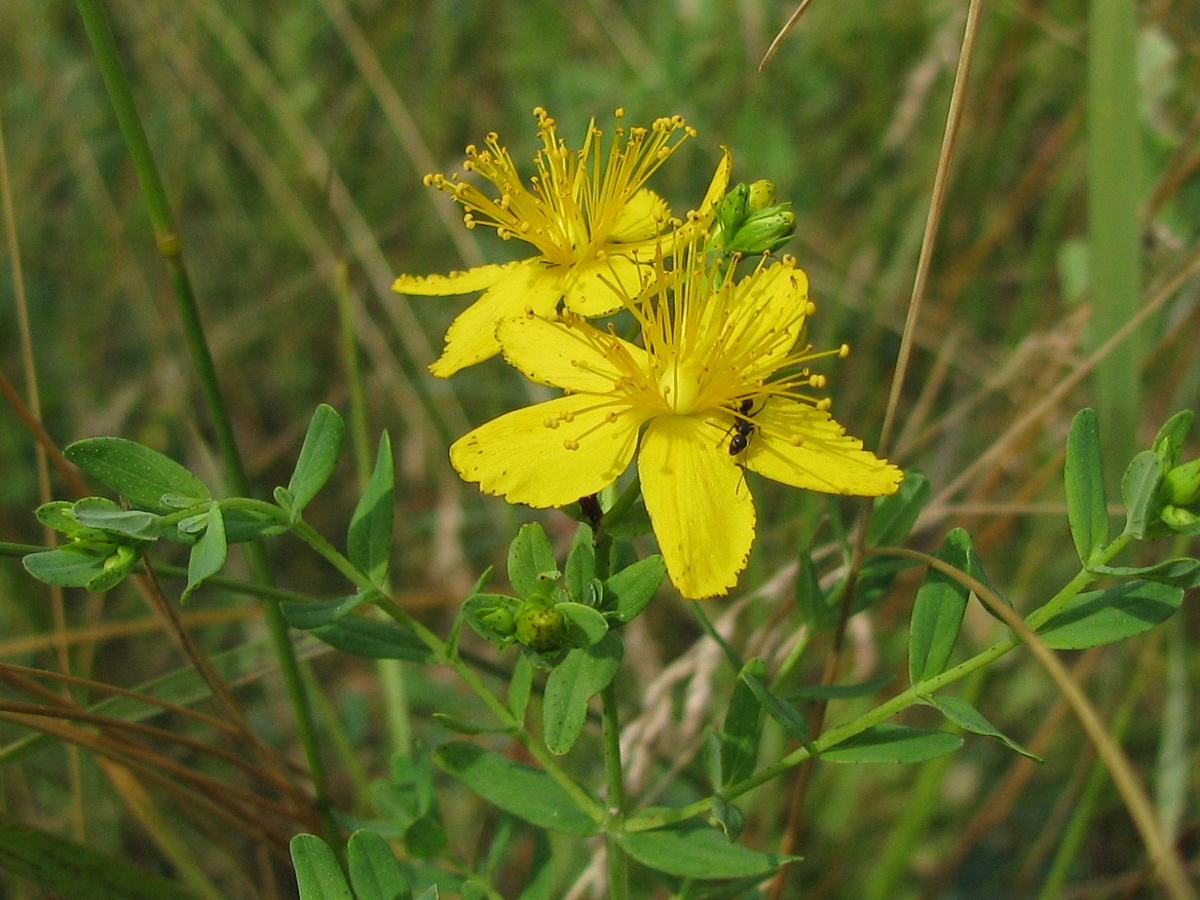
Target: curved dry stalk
<point>1170,868</point>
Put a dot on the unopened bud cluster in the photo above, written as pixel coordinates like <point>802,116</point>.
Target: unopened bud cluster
<point>748,220</point>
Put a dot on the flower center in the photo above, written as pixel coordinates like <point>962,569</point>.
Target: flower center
<point>679,386</point>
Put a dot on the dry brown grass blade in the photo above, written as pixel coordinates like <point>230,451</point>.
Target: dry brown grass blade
<point>783,33</point>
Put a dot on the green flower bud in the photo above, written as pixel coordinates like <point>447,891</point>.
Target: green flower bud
<point>764,231</point>
<point>732,211</point>
<point>540,627</point>
<point>1180,520</point>
<point>499,620</point>
<point>116,567</point>
<point>1181,485</point>
<point>762,195</point>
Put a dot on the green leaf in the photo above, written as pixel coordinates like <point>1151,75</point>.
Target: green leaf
<point>893,517</point>
<point>306,616</point>
<point>374,872</point>
<point>322,444</point>
<point>1095,618</point>
<point>539,883</point>
<point>778,709</point>
<point>100,512</point>
<point>585,626</point>
<point>1139,489</point>
<point>581,565</point>
<point>69,566</point>
<point>140,475</point>
<point>938,612</point>
<point>318,874</point>
<point>695,850</point>
<point>520,686</point>
<point>209,553</point>
<point>65,868</point>
<point>874,580</point>
<point>967,717</point>
<point>742,728</point>
<point>814,608</point>
<point>729,818</point>
<point>840,691</point>
<point>1083,472</point>
<point>527,793</point>
<point>888,743</point>
<point>1168,445</point>
<point>369,542</point>
<point>580,676</point>
<point>425,838</point>
<point>531,562</point>
<point>243,525</point>
<point>1182,573</point>
<point>627,592</point>
<point>462,726</point>
<point>374,639</point>
<point>492,616</point>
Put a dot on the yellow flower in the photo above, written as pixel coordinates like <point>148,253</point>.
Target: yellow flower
<point>588,220</point>
<point>717,386</point>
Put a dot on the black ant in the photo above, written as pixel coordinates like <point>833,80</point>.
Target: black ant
<point>743,428</point>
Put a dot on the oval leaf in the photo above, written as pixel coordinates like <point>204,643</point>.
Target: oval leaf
<point>585,626</point>
<point>580,676</point>
<point>306,616</point>
<point>318,875</point>
<point>69,566</point>
<point>374,639</point>
<point>209,553</point>
<point>100,512</point>
<point>1105,617</point>
<point>1139,487</point>
<point>374,872</point>
<point>1182,573</point>
<point>530,556</point>
<point>694,850</point>
<point>140,475</point>
<point>526,792</point>
<point>893,744</point>
<point>369,542</point>
<point>967,717</point>
<point>1083,473</point>
<point>627,592</point>
<point>742,728</point>
<point>893,517</point>
<point>322,444</point>
<point>938,612</point>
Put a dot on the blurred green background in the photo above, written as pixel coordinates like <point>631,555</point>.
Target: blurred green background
<point>292,138</point>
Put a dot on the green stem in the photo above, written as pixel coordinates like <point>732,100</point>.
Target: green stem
<point>897,704</point>
<point>442,653</point>
<point>618,865</point>
<point>166,236</point>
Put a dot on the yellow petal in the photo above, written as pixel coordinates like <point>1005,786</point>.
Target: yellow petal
<point>601,288</point>
<point>640,219</point>
<point>699,505</point>
<point>571,355</point>
<point>471,337</point>
<point>550,454</point>
<point>775,300</point>
<point>717,187</point>
<point>477,279</point>
<point>798,445</point>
